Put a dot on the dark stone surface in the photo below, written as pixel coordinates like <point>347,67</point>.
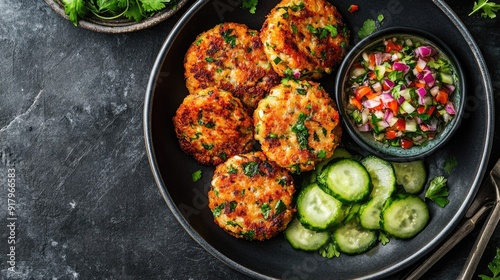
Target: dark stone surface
<point>86,204</point>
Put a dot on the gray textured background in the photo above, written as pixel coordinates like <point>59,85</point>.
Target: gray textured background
<point>87,207</point>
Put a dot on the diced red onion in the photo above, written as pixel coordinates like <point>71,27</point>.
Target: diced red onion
<point>388,83</point>
<point>434,91</point>
<point>386,97</point>
<point>371,103</point>
<point>429,79</point>
<point>399,66</point>
<point>378,58</point>
<point>421,95</point>
<point>449,88</point>
<point>364,127</point>
<point>421,63</point>
<point>377,87</point>
<point>424,51</point>
<point>450,108</point>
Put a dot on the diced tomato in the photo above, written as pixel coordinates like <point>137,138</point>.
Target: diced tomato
<point>372,60</point>
<point>406,143</point>
<point>421,109</point>
<point>431,110</point>
<point>442,96</point>
<point>393,106</point>
<point>372,75</point>
<point>419,85</point>
<point>391,46</point>
<point>390,134</point>
<point>400,125</point>
<point>352,8</point>
<point>424,127</point>
<point>362,91</point>
<point>355,102</point>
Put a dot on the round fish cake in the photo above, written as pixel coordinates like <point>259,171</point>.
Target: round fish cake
<point>230,56</point>
<point>304,39</point>
<point>251,197</point>
<point>212,125</point>
<point>297,125</point>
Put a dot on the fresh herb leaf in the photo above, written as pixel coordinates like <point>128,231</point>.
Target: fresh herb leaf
<point>438,191</point>
<point>266,210</point>
<point>250,5</point>
<point>196,176</point>
<point>494,267</point>
<point>489,8</point>
<point>74,9</point>
<point>250,168</point>
<point>329,250</point>
<point>301,131</point>
<point>450,164</point>
<point>370,26</point>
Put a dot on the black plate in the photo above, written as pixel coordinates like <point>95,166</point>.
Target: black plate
<point>275,258</point>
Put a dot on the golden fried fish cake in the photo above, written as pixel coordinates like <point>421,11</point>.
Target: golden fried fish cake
<point>230,56</point>
<point>212,125</point>
<point>251,197</point>
<point>297,125</point>
<point>304,38</point>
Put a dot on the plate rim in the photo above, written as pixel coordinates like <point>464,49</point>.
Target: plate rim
<point>147,113</point>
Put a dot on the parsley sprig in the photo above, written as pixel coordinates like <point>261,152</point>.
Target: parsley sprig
<point>494,267</point>
<point>489,8</point>
<point>136,10</point>
<point>250,5</point>
<point>438,191</point>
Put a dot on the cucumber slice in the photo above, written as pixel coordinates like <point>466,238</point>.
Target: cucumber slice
<point>404,216</point>
<point>382,176</point>
<point>338,153</point>
<point>318,210</point>
<point>347,180</point>
<point>369,214</point>
<point>352,238</point>
<point>411,175</point>
<point>305,239</point>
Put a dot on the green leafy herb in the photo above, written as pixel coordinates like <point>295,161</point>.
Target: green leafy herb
<point>370,26</point>
<point>250,5</point>
<point>279,208</point>
<point>488,8</point>
<point>301,131</point>
<point>136,10</point>
<point>250,168</point>
<point>228,38</point>
<point>329,250</point>
<point>494,267</point>
<point>438,191</point>
<point>196,175</point>
<point>450,164</point>
<point>218,210</point>
<point>266,210</point>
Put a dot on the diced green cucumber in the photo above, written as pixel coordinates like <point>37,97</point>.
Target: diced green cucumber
<point>446,78</point>
<point>382,176</point>
<point>338,153</point>
<point>352,238</point>
<point>347,180</point>
<point>305,239</point>
<point>369,214</point>
<point>411,175</point>
<point>404,216</point>
<point>318,210</point>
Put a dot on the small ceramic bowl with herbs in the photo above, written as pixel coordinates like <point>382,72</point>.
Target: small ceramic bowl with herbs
<point>401,93</point>
<point>116,16</point>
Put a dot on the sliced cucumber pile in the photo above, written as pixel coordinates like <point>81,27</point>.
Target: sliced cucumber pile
<point>349,201</point>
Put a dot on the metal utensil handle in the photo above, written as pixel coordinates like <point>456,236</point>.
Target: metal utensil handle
<point>484,236</point>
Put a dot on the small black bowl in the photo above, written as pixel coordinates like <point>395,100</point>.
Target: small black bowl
<point>366,140</point>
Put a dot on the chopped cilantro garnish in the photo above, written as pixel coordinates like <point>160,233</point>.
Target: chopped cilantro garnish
<point>196,175</point>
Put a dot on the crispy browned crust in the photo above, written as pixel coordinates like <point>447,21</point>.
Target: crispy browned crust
<point>251,197</point>
<point>297,125</point>
<point>297,38</point>
<point>230,56</point>
<point>212,125</point>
